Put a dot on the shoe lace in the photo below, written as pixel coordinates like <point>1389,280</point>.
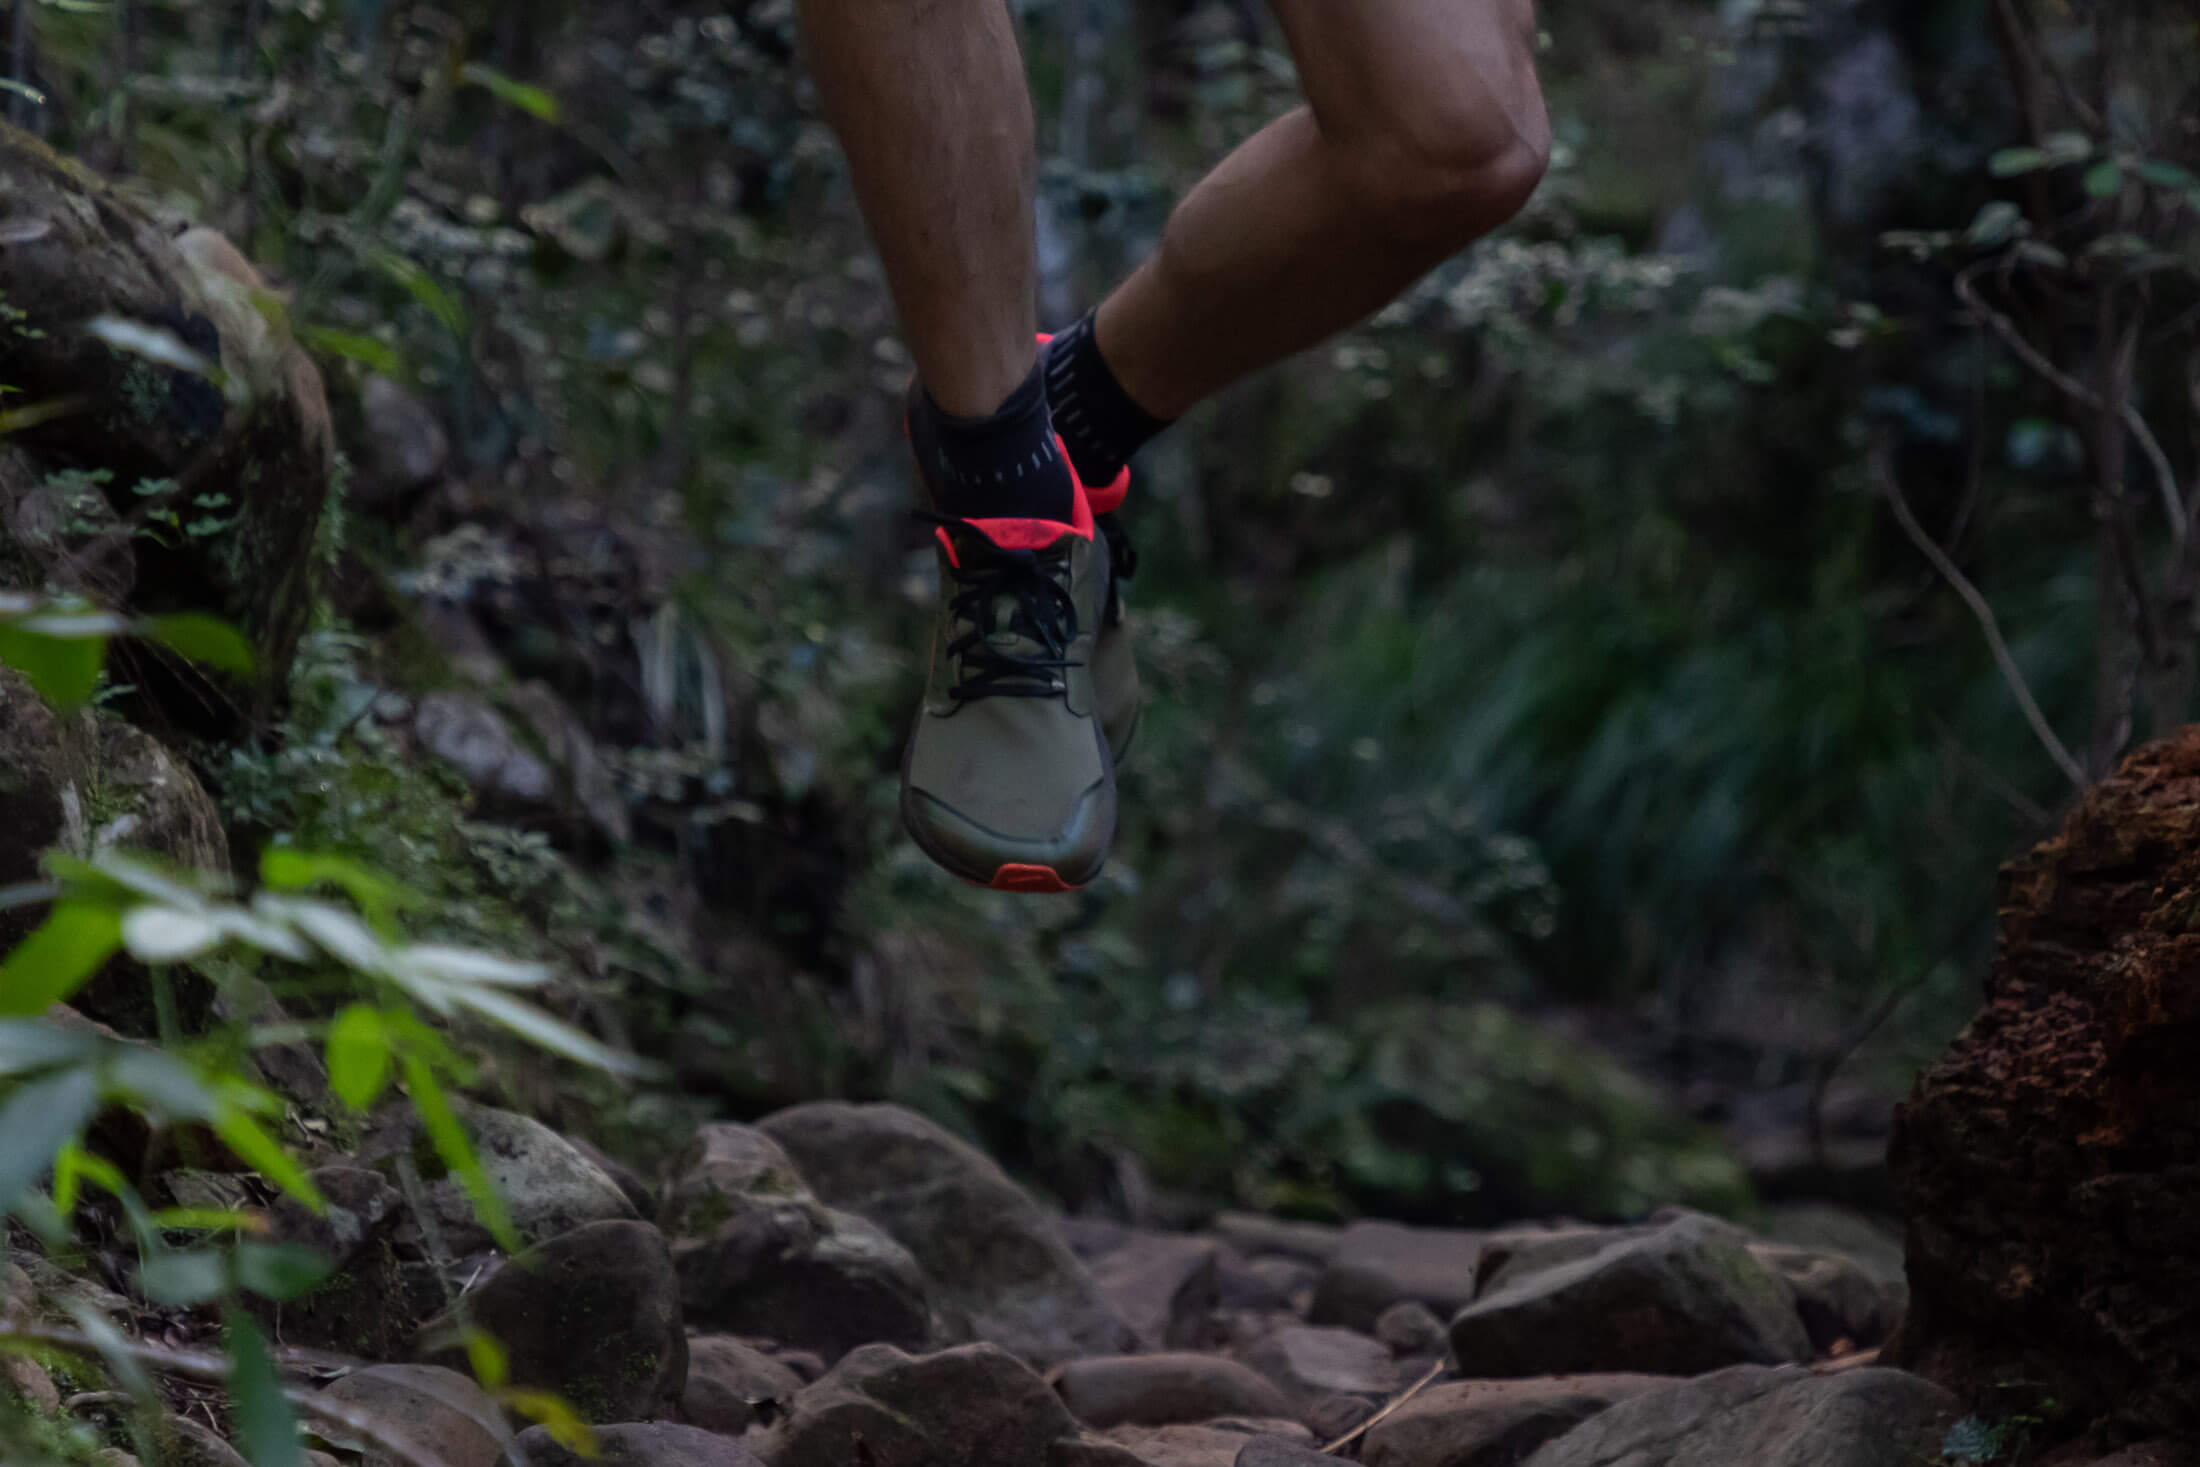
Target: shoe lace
<point>1122,564</point>
<point>1004,594</point>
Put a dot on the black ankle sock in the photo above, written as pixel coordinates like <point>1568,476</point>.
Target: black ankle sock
<point>1097,419</point>
<point>1003,466</point>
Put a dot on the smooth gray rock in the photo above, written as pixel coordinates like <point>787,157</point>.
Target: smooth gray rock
<point>1276,1451</point>
<point>1163,1390</point>
<point>959,1408</point>
<point>993,1255</point>
<point>1410,1329</point>
<point>1309,1363</point>
<point>638,1444</point>
<point>1206,1444</point>
<point>1766,1418</point>
<point>440,1413</point>
<point>1686,1298</point>
<point>548,1184</point>
<point>1256,1236</point>
<point>1836,1297</point>
<point>1494,1423</point>
<point>1165,1287</point>
<point>1379,1264</point>
<point>732,1386</point>
<point>593,1315</point>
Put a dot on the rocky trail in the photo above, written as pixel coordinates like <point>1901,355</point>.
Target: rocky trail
<point>851,1286</point>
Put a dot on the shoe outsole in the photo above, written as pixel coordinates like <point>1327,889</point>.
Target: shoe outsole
<point>1031,881</point>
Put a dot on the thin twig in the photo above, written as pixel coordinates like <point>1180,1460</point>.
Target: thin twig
<point>1435,1372</point>
<point>1883,471</point>
<point>2165,474</point>
<point>216,1370</point>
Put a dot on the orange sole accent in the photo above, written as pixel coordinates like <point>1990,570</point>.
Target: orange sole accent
<point>1031,881</point>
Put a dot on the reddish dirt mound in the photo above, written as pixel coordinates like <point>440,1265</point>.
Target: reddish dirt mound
<point>2049,1164</point>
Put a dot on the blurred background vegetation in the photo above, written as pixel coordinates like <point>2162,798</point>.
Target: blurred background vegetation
<point>1571,784</point>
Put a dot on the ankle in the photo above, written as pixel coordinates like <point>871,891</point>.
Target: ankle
<point>1101,424</point>
<point>1005,465</point>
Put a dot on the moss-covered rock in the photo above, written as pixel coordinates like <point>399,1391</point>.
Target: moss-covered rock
<point>234,451</point>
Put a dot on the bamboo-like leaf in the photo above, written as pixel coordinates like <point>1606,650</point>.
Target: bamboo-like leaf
<point>539,1028</point>
<point>58,958</point>
<point>457,1150</point>
<point>37,1121</point>
<point>267,1431</point>
<point>260,1151</point>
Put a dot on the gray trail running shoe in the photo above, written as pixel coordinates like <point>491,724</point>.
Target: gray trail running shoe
<point>1008,781</point>
<point>1114,664</point>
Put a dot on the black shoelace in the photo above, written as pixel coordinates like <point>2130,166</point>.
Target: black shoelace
<point>1039,610</point>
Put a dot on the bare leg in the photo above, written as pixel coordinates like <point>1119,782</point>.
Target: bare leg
<point>929,100</point>
<point>1425,130</point>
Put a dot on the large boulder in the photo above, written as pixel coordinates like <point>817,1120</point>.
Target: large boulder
<point>441,1415</point>
<point>759,1255</point>
<point>995,1256</point>
<point>83,782</point>
<point>961,1407</point>
<point>1685,1298</point>
<point>593,1315</point>
<point>239,450</point>
<point>548,1184</point>
<point>2049,1164</point>
<point>1765,1418</point>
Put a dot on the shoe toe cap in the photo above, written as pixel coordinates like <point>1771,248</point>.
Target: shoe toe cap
<point>1070,845</point>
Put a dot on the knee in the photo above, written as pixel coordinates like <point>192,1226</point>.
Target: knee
<point>1445,167</point>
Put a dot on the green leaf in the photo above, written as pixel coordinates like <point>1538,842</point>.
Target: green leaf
<point>375,355</point>
<point>38,1120</point>
<point>285,869</point>
<point>41,1044</point>
<point>2068,146</point>
<point>2105,180</point>
<point>59,958</point>
<point>260,1151</point>
<point>1997,223</point>
<point>266,1430</point>
<point>2011,162</point>
<point>359,1057</point>
<point>451,1143</point>
<point>539,1028</point>
<point>64,669</point>
<point>422,287</point>
<point>161,1083</point>
<point>564,1424</point>
<point>529,99</point>
<point>492,1364</point>
<point>280,1271</point>
<point>2168,175</point>
<point>203,639</point>
<point>183,1279</point>
<point>156,935</point>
